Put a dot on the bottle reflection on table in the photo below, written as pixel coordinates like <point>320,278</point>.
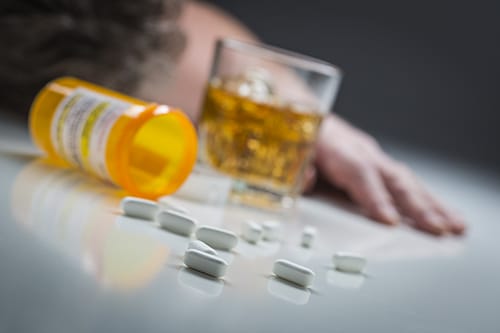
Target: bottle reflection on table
<point>77,215</point>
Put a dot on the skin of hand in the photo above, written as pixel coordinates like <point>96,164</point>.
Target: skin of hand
<point>348,158</point>
<point>386,189</point>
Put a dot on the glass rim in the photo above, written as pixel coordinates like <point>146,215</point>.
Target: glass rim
<point>278,54</point>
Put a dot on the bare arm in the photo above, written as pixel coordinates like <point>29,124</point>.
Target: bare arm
<point>203,24</point>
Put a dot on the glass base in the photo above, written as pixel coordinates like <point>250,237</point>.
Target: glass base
<point>257,197</point>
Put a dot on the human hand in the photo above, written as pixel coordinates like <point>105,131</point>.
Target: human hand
<point>386,189</point>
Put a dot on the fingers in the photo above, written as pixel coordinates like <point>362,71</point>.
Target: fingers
<point>365,186</point>
<point>384,188</point>
<point>414,202</point>
<point>413,205</point>
<point>453,221</point>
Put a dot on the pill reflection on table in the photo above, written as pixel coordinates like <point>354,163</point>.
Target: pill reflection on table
<point>344,280</point>
<point>287,292</point>
<point>176,222</point>
<point>198,283</point>
<point>139,208</point>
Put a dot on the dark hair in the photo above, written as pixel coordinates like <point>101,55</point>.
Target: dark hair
<point>106,42</point>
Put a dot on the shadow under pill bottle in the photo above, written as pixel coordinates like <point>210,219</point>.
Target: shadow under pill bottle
<point>146,148</point>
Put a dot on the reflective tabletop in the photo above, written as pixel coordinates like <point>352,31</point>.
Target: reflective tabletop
<point>71,262</point>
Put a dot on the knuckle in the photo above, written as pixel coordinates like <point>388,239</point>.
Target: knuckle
<point>400,188</point>
<point>422,215</point>
<point>370,142</point>
<point>376,203</point>
<point>359,171</point>
<point>400,169</point>
<point>400,176</point>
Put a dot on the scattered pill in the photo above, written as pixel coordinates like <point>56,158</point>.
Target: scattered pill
<point>252,232</point>
<point>270,230</point>
<point>200,246</point>
<point>217,238</point>
<point>167,203</point>
<point>292,272</point>
<point>308,236</point>
<point>139,208</point>
<point>205,262</point>
<point>349,262</point>
<point>176,222</point>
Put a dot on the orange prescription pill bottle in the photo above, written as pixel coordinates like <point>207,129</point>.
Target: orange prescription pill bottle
<point>146,148</point>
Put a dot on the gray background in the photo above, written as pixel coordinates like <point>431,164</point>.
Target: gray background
<point>423,73</point>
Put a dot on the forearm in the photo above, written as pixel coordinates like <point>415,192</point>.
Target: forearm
<point>203,24</point>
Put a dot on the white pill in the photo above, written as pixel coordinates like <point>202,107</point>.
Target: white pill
<point>200,246</point>
<point>251,231</point>
<point>205,262</point>
<point>349,262</point>
<point>176,222</point>
<point>270,230</point>
<point>139,208</point>
<point>168,204</point>
<point>308,236</point>
<point>292,272</point>
<point>217,238</point>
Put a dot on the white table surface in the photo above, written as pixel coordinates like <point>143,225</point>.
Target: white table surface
<point>69,262</point>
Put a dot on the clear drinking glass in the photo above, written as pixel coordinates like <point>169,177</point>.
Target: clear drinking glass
<point>260,119</point>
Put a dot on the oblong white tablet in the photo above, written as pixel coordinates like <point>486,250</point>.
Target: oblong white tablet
<point>176,222</point>
<point>217,238</point>
<point>167,203</point>
<point>308,236</point>
<point>251,231</point>
<point>205,262</point>
<point>349,262</point>
<point>201,246</point>
<point>293,272</point>
<point>139,208</point>
<point>270,230</point>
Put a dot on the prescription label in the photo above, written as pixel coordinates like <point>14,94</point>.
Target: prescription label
<point>81,126</point>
